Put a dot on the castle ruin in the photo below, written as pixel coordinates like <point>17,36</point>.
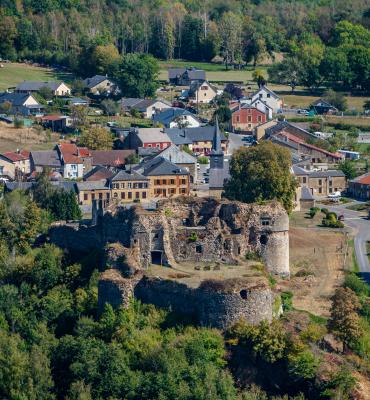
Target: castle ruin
<point>190,254</point>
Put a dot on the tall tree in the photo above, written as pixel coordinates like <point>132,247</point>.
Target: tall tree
<point>138,75</point>
<point>96,138</point>
<point>261,173</point>
<point>230,30</point>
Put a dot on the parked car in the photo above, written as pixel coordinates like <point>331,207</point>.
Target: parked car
<point>303,112</point>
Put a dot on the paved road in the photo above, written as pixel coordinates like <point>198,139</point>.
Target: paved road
<point>361,228</point>
<point>235,141</point>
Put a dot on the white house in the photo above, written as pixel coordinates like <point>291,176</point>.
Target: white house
<point>269,97</point>
<point>145,106</point>
<point>202,92</point>
<point>259,104</point>
<point>177,118</point>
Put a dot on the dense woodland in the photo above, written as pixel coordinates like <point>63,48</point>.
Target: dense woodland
<point>323,40</point>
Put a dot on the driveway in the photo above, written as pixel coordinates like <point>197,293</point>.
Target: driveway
<point>361,228</point>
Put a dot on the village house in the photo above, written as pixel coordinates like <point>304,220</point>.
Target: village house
<point>45,159</point>
<point>57,123</point>
<point>201,92</point>
<point>323,107</point>
<point>359,188</point>
<point>287,127</point>
<point>259,130</point>
<point>75,160</point>
<point>100,84</point>
<point>21,103</point>
<point>15,164</point>
<point>146,107</point>
<point>147,138</point>
<point>177,118</point>
<point>184,76</point>
<point>182,159</point>
<point>130,186</point>
<point>198,140</point>
<point>270,98</point>
<point>166,178</point>
<point>57,88</point>
<point>247,118</point>
<point>88,191</point>
<point>321,183</point>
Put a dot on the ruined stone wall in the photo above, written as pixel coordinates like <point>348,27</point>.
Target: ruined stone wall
<point>210,305</point>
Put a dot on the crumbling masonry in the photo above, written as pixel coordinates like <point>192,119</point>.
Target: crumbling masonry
<point>188,230</point>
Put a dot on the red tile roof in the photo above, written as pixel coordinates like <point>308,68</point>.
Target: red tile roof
<point>365,180</point>
<point>298,140</point>
<point>73,154</point>
<point>17,156</point>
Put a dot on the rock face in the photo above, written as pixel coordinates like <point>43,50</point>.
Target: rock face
<point>187,230</point>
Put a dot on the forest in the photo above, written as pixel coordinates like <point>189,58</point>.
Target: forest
<point>323,40</point>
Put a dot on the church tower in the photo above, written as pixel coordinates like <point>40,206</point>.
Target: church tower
<point>217,155</point>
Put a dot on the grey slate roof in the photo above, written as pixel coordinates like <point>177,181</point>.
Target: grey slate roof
<point>176,156</point>
<point>202,134</point>
<point>160,166</point>
<point>272,130</point>
<point>298,171</point>
<point>95,80</point>
<point>92,185</point>
<point>36,85</point>
<point>167,116</point>
<point>63,185</point>
<point>193,74</point>
<point>306,194</point>
<point>195,85</point>
<point>129,176</point>
<point>334,173</point>
<point>46,158</point>
<point>178,136</point>
<point>17,99</point>
<point>140,104</point>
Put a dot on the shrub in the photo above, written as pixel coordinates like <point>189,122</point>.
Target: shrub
<point>313,211</point>
<point>303,365</point>
<point>203,160</point>
<point>287,300</point>
<point>193,237</point>
<point>357,284</point>
<point>314,333</point>
<point>18,123</point>
<point>324,210</point>
<point>253,256</point>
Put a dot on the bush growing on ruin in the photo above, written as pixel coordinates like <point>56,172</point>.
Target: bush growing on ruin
<point>193,237</point>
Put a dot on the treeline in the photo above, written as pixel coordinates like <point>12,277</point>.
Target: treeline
<point>64,32</point>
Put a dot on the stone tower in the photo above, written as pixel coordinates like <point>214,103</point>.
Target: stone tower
<point>217,155</point>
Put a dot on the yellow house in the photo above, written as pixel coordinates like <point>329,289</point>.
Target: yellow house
<point>89,191</point>
<point>202,92</point>
<point>166,178</point>
<point>129,186</point>
<point>15,163</point>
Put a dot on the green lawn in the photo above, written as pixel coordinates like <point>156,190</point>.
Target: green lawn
<point>14,73</point>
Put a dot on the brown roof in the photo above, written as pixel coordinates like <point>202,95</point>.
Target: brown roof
<point>364,180</point>
<point>98,173</point>
<point>110,158</point>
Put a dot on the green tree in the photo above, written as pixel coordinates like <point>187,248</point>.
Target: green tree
<point>338,100</point>
<point>261,173</point>
<point>230,30</point>
<point>138,75</point>
<point>259,77</point>
<point>110,107</point>
<point>103,57</point>
<point>349,169</point>
<point>287,72</point>
<point>97,138</point>
<point>46,93</point>
<point>344,321</point>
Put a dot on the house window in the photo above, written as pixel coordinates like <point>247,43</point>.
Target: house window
<point>143,195</point>
<point>137,195</point>
<point>172,181</point>
<point>259,118</point>
<point>157,181</point>
<point>320,190</point>
<point>1,170</point>
<point>108,196</point>
<point>115,195</point>
<point>130,195</point>
<point>237,118</point>
<point>304,179</point>
<point>249,118</point>
<point>157,145</point>
<point>268,95</point>
<point>320,182</point>
<point>149,145</point>
<point>261,95</point>
<point>249,125</point>
<point>122,185</point>
<point>164,181</point>
<point>123,195</point>
<point>73,166</point>
<point>129,185</point>
<point>204,88</point>
<point>100,196</point>
<point>172,191</point>
<point>330,183</point>
<point>183,181</point>
<point>86,196</point>
<point>92,196</point>
<point>183,190</point>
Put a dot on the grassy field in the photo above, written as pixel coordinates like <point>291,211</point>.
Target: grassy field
<point>12,74</point>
